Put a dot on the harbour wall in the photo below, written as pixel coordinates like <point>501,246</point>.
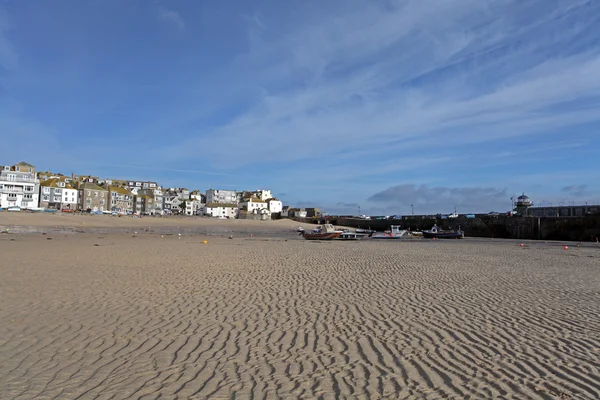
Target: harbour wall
<point>535,228</point>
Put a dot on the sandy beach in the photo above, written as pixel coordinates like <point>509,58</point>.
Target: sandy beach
<point>99,307</point>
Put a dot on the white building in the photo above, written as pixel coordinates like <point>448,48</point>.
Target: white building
<point>252,205</point>
<point>221,196</point>
<point>220,210</point>
<point>19,186</point>
<point>193,207</point>
<point>58,193</point>
<point>274,205</point>
<point>264,194</point>
<point>197,195</point>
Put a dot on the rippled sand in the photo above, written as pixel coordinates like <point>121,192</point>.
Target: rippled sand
<point>115,316</point>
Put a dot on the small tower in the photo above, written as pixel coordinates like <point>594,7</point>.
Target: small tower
<point>523,204</point>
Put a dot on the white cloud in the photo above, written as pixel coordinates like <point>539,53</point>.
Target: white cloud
<point>172,17</point>
<point>411,76</point>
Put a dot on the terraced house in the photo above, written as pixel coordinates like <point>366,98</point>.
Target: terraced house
<point>145,204</point>
<point>58,193</point>
<point>92,197</point>
<point>19,186</point>
<point>121,200</point>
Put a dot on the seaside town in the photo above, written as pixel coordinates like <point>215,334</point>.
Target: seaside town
<point>22,187</point>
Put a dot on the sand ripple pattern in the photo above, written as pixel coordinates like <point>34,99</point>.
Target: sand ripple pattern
<point>150,318</point>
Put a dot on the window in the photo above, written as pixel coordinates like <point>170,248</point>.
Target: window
<point>102,194</point>
<point>46,190</point>
<point>89,193</point>
<point>45,197</point>
<point>95,194</point>
<point>12,195</point>
<point>28,196</point>
<point>101,201</point>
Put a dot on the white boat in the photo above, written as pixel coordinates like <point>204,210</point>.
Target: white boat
<point>349,235</point>
<point>395,232</point>
<point>14,208</point>
<point>322,232</point>
<point>35,209</point>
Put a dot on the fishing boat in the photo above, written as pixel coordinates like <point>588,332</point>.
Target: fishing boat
<point>437,233</point>
<point>322,232</point>
<point>416,233</point>
<point>349,235</point>
<point>368,232</point>
<point>395,232</point>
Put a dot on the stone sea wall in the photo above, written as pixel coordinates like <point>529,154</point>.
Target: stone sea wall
<point>542,228</point>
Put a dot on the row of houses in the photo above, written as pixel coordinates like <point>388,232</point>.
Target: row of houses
<point>21,186</point>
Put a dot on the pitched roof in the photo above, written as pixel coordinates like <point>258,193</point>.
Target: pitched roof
<point>120,190</point>
<point>254,200</point>
<point>92,186</point>
<point>24,164</point>
<point>53,182</point>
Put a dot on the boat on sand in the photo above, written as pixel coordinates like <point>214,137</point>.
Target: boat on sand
<point>349,235</point>
<point>322,232</point>
<point>437,233</point>
<point>395,232</point>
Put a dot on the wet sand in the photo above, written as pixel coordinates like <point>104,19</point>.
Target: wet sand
<point>151,315</point>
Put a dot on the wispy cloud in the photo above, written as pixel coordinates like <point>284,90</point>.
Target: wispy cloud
<point>342,98</point>
<point>8,55</point>
<point>465,77</point>
<point>575,190</point>
<point>171,17</point>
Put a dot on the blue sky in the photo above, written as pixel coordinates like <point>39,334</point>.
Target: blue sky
<point>382,104</point>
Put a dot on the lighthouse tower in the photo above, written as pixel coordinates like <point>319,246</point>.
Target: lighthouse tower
<point>523,204</point>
